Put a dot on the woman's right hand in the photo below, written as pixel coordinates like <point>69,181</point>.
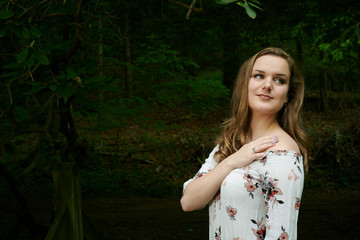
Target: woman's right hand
<point>201,190</point>
<point>251,151</point>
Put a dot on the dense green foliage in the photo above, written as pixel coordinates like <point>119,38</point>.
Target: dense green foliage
<point>134,92</point>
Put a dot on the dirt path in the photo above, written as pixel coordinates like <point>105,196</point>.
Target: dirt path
<point>323,216</point>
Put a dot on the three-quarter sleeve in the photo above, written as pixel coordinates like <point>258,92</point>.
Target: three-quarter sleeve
<point>206,167</point>
<point>282,184</point>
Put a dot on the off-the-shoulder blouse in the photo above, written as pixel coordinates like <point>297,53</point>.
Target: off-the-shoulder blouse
<point>258,201</point>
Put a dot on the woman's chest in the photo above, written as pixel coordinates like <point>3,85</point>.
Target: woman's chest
<point>242,185</point>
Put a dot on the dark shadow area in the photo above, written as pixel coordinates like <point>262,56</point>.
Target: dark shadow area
<point>322,216</point>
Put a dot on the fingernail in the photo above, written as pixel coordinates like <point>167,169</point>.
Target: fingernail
<point>272,143</point>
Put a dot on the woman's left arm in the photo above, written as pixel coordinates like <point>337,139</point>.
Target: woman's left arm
<point>282,184</point>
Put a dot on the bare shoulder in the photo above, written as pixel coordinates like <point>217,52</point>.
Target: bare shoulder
<point>286,142</point>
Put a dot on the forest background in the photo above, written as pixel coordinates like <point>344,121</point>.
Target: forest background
<point>134,92</point>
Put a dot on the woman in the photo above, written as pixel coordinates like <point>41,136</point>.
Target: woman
<point>253,179</point>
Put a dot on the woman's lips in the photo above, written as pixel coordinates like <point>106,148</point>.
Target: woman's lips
<point>264,96</point>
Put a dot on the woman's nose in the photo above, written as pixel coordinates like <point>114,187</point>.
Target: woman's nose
<point>267,84</point>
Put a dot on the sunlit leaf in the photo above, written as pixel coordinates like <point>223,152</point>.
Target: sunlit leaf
<point>225,1</point>
<point>253,5</point>
<point>250,11</point>
<point>22,55</point>
<point>241,4</point>
<point>255,1</point>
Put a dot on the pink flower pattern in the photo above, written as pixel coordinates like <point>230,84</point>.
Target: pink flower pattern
<point>218,233</point>
<point>272,192</point>
<point>270,189</point>
<point>260,231</point>
<point>249,184</point>
<point>292,175</point>
<point>284,235</point>
<point>232,212</point>
<point>297,203</point>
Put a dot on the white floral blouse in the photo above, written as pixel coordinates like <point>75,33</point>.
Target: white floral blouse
<point>260,201</point>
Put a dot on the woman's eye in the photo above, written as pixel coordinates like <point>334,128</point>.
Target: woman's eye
<point>280,80</point>
<point>258,76</point>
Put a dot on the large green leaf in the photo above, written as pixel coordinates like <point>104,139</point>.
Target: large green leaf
<point>71,73</point>
<point>17,31</point>
<point>67,92</point>
<point>22,55</point>
<point>5,14</point>
<point>20,113</point>
<point>254,5</point>
<point>53,87</point>
<point>12,74</point>
<point>35,31</point>
<point>249,10</point>
<point>225,1</point>
<point>10,66</point>
<point>36,89</point>
<point>42,58</point>
<point>26,32</point>
<point>255,1</point>
<point>30,61</point>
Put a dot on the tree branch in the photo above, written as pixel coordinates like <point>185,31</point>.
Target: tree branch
<point>190,7</point>
<point>78,36</point>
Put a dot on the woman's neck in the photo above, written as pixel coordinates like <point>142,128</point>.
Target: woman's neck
<point>261,126</point>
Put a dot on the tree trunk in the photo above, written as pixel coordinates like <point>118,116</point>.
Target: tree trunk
<point>231,59</point>
<point>101,69</point>
<point>358,60</point>
<point>128,71</point>
<point>299,54</point>
<point>68,222</point>
<point>101,58</point>
<point>324,102</point>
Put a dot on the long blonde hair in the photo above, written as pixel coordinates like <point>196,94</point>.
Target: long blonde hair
<point>236,128</point>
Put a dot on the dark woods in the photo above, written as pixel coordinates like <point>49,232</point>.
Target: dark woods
<point>125,98</point>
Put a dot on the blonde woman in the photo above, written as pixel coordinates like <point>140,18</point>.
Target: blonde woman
<point>253,179</point>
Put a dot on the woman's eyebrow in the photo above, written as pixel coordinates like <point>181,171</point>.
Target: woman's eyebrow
<point>277,74</point>
<point>281,74</point>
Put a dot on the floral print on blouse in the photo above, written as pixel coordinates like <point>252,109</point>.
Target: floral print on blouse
<point>260,201</point>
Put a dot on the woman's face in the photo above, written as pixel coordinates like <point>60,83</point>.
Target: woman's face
<point>268,85</point>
